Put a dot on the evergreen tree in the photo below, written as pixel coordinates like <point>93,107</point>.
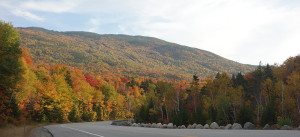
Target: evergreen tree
<point>268,73</point>
<point>268,115</point>
<point>199,116</point>
<point>69,79</point>
<point>244,115</point>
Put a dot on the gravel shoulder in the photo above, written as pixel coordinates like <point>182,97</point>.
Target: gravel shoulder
<point>40,132</point>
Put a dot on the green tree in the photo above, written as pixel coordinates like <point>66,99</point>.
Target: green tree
<point>268,114</point>
<point>9,67</point>
<point>245,115</point>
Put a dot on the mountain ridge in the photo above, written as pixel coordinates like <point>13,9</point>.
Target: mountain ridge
<point>134,55</point>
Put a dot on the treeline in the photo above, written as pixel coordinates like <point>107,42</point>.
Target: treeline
<point>268,95</point>
<point>60,93</point>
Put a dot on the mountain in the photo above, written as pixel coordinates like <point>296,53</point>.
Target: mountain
<point>124,54</point>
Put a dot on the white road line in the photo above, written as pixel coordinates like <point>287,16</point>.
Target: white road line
<point>82,131</point>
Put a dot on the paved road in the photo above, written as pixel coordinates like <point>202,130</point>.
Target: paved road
<point>104,129</point>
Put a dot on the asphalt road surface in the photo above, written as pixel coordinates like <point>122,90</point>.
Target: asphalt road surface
<point>104,129</point>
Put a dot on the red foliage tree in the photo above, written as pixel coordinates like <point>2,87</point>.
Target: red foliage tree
<point>90,79</point>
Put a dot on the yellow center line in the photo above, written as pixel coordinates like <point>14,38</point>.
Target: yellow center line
<point>152,133</point>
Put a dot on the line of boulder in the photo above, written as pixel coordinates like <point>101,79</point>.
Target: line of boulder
<point>213,125</point>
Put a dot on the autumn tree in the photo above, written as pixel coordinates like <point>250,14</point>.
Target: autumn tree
<point>9,68</point>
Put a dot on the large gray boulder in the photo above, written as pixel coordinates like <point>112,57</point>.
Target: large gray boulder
<point>275,126</point>
<point>153,125</point>
<point>194,125</point>
<point>148,125</point>
<point>214,125</point>
<point>134,125</point>
<point>139,125</point>
<point>183,127</point>
<point>249,125</point>
<point>267,127</point>
<point>189,126</point>
<point>164,126</point>
<point>143,125</point>
<point>236,126</point>
<point>170,125</point>
<point>206,126</point>
<point>286,127</point>
<point>159,125</point>
<point>199,126</point>
<point>228,126</point>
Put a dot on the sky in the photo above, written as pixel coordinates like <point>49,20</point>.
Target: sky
<point>246,31</point>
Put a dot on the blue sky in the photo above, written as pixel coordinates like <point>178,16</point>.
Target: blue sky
<point>246,31</point>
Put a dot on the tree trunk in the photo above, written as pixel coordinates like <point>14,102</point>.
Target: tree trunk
<point>257,113</point>
<point>178,101</point>
<point>162,113</point>
<point>166,108</point>
<point>298,105</point>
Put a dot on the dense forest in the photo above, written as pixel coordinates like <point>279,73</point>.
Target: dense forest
<point>123,54</point>
<point>46,92</point>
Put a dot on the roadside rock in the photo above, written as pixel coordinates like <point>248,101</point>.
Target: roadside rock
<point>228,126</point>
<point>183,127</point>
<point>275,126</point>
<point>249,125</point>
<point>214,125</point>
<point>298,127</point>
<point>222,127</point>
<point>267,127</point>
<point>189,126</point>
<point>153,125</point>
<point>134,125</point>
<point>164,126</point>
<point>236,126</point>
<point>286,127</point>
<point>170,125</point>
<point>158,125</point>
<point>148,125</point>
<point>206,126</point>
<point>199,126</point>
<point>194,125</point>
<point>174,126</point>
<point>143,125</point>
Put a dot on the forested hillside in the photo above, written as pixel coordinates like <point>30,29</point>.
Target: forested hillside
<point>123,54</point>
<point>60,93</point>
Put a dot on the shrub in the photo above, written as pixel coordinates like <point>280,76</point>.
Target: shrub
<point>284,121</point>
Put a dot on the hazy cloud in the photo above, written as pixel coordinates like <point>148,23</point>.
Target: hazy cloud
<point>246,31</point>
<point>50,5</point>
<point>27,15</point>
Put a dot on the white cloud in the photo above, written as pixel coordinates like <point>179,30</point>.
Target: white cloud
<point>93,25</point>
<point>27,15</point>
<point>51,5</point>
<point>246,31</point>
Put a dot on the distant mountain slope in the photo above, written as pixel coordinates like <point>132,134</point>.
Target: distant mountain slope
<point>123,54</point>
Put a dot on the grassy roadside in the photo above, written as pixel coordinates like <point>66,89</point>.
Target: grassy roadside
<point>18,131</point>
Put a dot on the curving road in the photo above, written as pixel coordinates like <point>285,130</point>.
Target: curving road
<point>105,129</point>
